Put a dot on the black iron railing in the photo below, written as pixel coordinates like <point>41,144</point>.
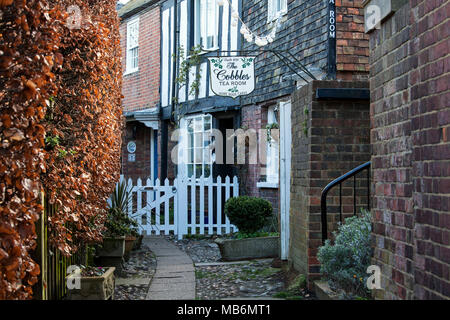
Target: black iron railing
<point>339,181</point>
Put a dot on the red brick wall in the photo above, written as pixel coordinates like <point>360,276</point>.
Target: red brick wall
<point>141,168</point>
<point>410,118</point>
<point>337,141</point>
<point>352,45</point>
<point>141,89</point>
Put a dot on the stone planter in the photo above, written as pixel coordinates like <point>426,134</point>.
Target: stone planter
<point>251,248</point>
<point>93,288</point>
<point>129,243</point>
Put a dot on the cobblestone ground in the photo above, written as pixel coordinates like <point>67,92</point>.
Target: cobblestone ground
<point>250,279</point>
<point>138,272</point>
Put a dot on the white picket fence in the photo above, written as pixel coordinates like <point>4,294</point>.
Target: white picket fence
<point>186,206</point>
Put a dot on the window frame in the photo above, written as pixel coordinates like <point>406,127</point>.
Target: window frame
<point>132,50</point>
<point>272,150</point>
<point>272,13</point>
<point>192,158</point>
<point>197,18</point>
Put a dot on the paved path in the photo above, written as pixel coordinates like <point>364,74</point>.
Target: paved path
<point>175,274</point>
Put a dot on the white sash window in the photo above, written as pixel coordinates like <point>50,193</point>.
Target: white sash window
<point>132,56</point>
<point>272,165</point>
<point>206,27</point>
<point>276,8</point>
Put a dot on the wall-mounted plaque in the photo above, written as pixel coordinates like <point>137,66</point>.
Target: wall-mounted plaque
<point>131,147</point>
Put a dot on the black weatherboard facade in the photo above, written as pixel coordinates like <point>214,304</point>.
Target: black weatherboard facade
<point>303,33</point>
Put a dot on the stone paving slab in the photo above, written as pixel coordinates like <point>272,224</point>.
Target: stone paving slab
<point>174,278</point>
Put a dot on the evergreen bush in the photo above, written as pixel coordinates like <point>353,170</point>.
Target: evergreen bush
<point>344,263</point>
<point>249,214</point>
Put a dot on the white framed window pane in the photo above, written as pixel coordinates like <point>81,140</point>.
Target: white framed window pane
<point>190,125</point>
<point>198,155</point>
<point>207,171</point>
<point>198,127</point>
<point>272,165</point>
<point>206,32</point>
<point>198,171</point>
<point>190,155</point>
<point>133,34</point>
<point>199,140</point>
<point>207,123</point>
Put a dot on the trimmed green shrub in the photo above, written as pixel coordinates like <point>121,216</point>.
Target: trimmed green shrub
<point>345,263</point>
<point>249,214</point>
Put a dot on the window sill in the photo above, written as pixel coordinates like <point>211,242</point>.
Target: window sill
<point>267,185</point>
<point>204,51</point>
<point>127,73</point>
<point>273,19</point>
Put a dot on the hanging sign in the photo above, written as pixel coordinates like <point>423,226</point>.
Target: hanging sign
<point>232,76</point>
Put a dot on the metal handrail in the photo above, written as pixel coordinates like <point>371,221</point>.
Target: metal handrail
<point>339,181</point>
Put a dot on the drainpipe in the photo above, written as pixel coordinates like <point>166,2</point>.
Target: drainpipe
<point>175,59</point>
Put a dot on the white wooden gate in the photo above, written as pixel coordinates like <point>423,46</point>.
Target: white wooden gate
<point>186,206</point>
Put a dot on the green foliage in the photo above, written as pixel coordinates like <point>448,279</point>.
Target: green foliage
<point>297,284</point>
<point>193,60</point>
<point>118,223</point>
<point>121,197</point>
<point>249,214</point>
<point>344,264</point>
<point>305,122</point>
<point>269,128</point>
<point>52,141</point>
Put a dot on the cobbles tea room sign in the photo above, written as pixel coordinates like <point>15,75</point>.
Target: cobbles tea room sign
<point>232,76</point>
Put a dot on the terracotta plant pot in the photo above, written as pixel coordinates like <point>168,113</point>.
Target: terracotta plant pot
<point>129,243</point>
<point>91,288</point>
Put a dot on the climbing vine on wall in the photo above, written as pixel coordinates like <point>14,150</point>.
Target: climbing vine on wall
<point>60,128</point>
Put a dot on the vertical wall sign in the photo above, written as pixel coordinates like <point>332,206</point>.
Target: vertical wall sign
<point>232,76</point>
<point>332,39</point>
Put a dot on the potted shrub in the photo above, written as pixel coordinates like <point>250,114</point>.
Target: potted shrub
<point>118,225</point>
<point>91,283</point>
<point>249,215</point>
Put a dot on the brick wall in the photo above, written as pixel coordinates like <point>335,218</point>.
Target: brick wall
<point>337,141</point>
<point>352,45</point>
<point>141,168</point>
<point>141,89</point>
<point>410,136</point>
